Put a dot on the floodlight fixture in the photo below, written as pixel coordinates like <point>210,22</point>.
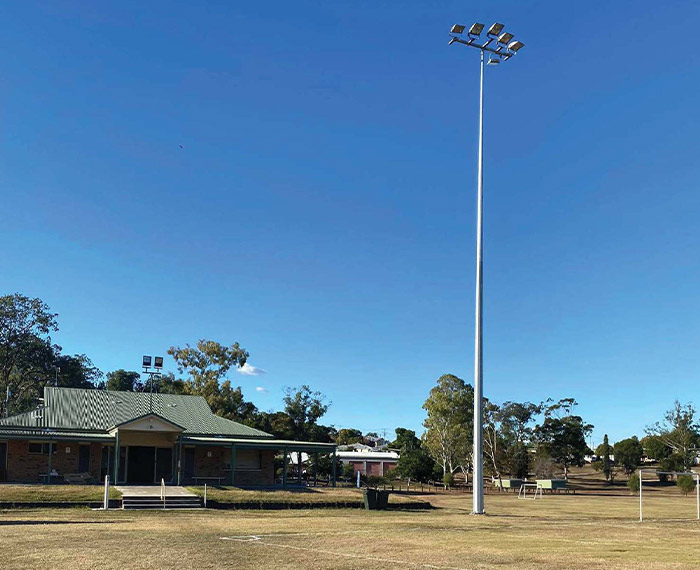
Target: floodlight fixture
<point>147,361</point>
<point>493,61</point>
<point>158,362</point>
<point>515,46</point>
<point>457,29</point>
<point>504,38</point>
<point>476,28</point>
<point>495,29</point>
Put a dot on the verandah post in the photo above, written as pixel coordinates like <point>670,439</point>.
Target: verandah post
<point>233,464</point>
<point>315,468</point>
<point>48,473</point>
<point>179,460</point>
<point>299,467</point>
<point>334,467</point>
<point>116,459</point>
<point>284,468</point>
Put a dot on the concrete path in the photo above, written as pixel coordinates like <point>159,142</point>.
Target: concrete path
<point>152,491</point>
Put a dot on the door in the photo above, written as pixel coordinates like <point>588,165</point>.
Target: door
<point>141,464</point>
<point>84,459</point>
<point>164,464</point>
<point>189,463</point>
<point>3,461</point>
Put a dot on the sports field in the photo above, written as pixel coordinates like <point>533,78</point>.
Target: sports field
<point>565,531</point>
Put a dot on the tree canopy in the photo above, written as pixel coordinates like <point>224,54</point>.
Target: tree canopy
<point>449,423</point>
<point>29,360</point>
<point>680,433</point>
<point>562,435</point>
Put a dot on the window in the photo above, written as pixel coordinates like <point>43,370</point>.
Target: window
<point>40,448</point>
<point>248,460</point>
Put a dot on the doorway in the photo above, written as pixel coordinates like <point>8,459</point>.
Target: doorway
<point>83,459</point>
<point>141,464</point>
<point>148,465</point>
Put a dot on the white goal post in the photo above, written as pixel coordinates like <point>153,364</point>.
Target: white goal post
<point>692,474</point>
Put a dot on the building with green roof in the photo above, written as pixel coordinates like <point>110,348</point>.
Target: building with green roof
<point>139,438</point>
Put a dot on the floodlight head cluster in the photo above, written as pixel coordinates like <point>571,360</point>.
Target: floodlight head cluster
<point>154,362</point>
<point>505,47</point>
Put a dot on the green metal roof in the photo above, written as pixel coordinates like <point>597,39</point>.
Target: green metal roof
<point>76,409</point>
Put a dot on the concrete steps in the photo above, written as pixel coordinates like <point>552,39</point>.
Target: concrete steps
<point>141,502</point>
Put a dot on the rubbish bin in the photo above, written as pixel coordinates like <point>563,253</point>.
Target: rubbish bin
<point>370,497</point>
<point>382,500</point>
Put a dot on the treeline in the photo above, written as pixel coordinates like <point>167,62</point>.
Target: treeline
<point>29,361</point>
<point>544,439</point>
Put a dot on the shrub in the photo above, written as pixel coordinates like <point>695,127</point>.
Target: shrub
<point>448,479</point>
<point>633,482</point>
<point>374,481</point>
<point>348,471</point>
<point>686,484</point>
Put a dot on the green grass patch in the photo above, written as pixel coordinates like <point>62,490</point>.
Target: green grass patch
<point>55,493</point>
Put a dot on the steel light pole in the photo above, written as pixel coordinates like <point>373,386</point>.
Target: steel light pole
<point>504,49</point>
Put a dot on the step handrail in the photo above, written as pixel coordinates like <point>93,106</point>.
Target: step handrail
<point>162,491</point>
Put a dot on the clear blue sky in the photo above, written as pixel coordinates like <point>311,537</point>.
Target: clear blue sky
<point>321,211</point>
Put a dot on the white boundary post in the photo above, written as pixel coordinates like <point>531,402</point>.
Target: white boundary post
<point>697,495</point>
<point>641,516</point>
<point>205,495</point>
<point>105,505</point>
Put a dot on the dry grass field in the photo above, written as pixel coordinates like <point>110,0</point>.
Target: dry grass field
<point>559,531</point>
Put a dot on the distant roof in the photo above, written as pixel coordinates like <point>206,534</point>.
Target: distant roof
<point>367,455</point>
<point>77,409</point>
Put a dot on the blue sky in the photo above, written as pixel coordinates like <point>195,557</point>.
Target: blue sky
<point>321,209</point>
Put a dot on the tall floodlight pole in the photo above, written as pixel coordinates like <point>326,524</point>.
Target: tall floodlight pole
<point>504,49</point>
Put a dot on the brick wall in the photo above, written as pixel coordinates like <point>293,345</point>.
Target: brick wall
<point>210,461</point>
<point>25,467</point>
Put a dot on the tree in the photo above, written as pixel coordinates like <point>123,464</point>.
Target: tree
<point>77,371</point>
<point>633,482</point>
<point>507,435</point>
<point>168,384</point>
<point>628,454</point>
<point>606,465</point>
<point>208,362</point>
<point>449,424</point>
<point>124,381</point>
<point>206,365</point>
<point>563,435</point>
<point>26,352</point>
<point>304,408</point>
<point>680,433</point>
<point>686,484</point>
<point>655,448</point>
<point>274,423</point>
<point>348,436</point>
<point>414,461</point>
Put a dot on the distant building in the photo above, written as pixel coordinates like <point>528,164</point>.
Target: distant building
<point>368,460</point>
